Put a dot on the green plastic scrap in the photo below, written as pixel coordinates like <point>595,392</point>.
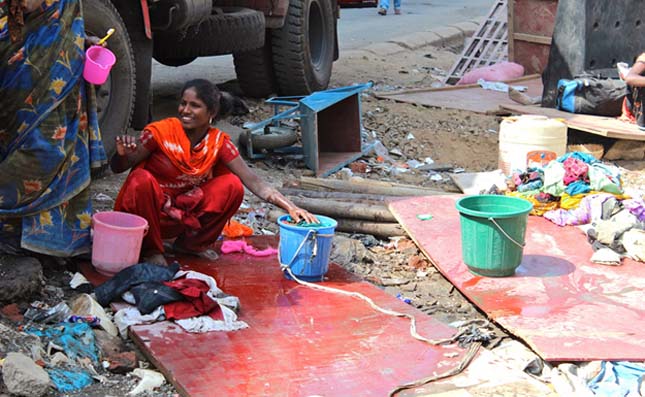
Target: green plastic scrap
<point>424,217</point>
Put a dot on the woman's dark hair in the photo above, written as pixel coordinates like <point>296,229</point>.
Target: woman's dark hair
<point>216,101</point>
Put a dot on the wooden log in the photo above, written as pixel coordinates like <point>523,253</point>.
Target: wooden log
<point>378,229</point>
<point>339,209</point>
<point>359,197</point>
<point>363,186</point>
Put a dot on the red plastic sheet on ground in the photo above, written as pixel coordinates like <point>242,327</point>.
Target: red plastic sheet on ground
<point>565,307</point>
<point>300,342</point>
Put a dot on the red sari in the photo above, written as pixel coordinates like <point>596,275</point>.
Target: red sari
<point>183,192</point>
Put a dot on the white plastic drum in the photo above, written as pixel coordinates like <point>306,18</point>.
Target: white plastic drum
<point>519,136</point>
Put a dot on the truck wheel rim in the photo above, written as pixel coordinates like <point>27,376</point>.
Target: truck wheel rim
<point>316,33</point>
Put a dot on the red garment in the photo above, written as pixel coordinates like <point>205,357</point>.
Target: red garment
<point>168,200</point>
<point>197,301</point>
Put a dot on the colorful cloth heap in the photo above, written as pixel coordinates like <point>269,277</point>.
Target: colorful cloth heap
<point>563,183</point>
<point>50,137</point>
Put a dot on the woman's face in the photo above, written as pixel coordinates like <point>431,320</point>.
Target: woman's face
<point>193,112</point>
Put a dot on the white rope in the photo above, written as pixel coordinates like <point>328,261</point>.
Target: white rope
<point>413,321</point>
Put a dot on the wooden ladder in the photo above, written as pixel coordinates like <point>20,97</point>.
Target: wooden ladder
<point>488,46</point>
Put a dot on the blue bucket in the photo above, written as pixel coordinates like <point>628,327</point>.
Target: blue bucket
<point>305,250</point>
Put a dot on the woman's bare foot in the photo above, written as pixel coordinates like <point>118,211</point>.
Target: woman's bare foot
<point>156,259</point>
<point>208,254</point>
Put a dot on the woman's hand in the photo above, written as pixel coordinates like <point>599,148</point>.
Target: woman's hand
<point>299,214</point>
<point>93,40</point>
<point>126,144</point>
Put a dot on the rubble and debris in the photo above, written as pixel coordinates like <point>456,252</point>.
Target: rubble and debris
<point>150,380</point>
<point>23,377</point>
<point>22,278</point>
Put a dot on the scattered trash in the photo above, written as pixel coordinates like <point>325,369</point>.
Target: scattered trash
<point>436,177</point>
<point>404,299</point>
<point>75,339</point>
<point>67,381</point>
<point>103,197</point>
<point>409,137</point>
<point>78,280</point>
<point>85,305</point>
<point>40,312</point>
<point>93,321</point>
<point>150,380</point>
<point>499,86</point>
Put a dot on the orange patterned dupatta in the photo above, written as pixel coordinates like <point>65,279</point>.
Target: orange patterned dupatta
<point>174,142</point>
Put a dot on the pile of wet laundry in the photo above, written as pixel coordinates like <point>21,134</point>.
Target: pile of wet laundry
<point>157,293</point>
<point>578,190</point>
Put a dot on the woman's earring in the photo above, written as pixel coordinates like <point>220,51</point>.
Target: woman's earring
<point>210,121</point>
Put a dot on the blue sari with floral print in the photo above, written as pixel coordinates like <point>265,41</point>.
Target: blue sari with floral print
<point>49,134</point>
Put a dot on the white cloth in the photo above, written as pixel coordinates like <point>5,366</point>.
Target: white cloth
<point>132,316</point>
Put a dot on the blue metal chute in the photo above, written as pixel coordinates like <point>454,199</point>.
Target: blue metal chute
<point>330,123</point>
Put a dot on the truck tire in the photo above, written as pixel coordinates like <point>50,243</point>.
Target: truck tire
<point>115,98</point>
<point>225,31</point>
<point>254,70</point>
<point>303,49</point>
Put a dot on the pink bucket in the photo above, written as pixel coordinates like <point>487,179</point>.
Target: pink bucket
<point>98,62</point>
<point>117,239</point>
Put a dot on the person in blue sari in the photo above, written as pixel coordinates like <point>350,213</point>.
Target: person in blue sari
<point>49,133</point>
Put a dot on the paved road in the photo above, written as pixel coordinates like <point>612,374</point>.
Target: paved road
<point>358,27</point>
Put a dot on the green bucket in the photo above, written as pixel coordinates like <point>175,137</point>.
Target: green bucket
<point>492,233</point>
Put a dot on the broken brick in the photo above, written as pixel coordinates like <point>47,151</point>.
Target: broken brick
<point>12,312</point>
<point>122,363</point>
<point>417,262</point>
<point>358,167</point>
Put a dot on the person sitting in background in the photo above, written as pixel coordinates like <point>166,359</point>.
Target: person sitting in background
<point>49,133</point>
<point>633,103</point>
<point>187,177</point>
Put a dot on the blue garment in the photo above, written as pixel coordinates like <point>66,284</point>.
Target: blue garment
<point>585,157</point>
<point>618,379</point>
<point>385,4</point>
<point>50,136</point>
<point>577,187</point>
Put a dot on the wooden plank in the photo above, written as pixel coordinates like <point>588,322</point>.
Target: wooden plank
<point>510,23</point>
<point>609,127</point>
<point>532,38</point>
<point>467,97</point>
